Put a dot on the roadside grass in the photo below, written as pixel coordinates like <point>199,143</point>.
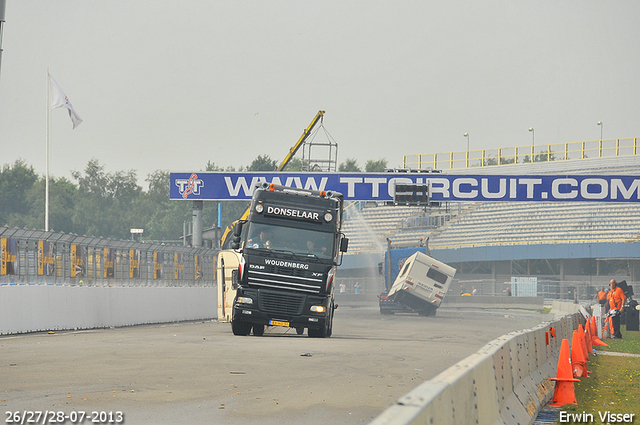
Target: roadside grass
<point>614,384</point>
<point>630,342</point>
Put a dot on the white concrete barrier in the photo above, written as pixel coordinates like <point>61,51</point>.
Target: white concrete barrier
<point>32,308</point>
<point>505,382</point>
<point>564,307</point>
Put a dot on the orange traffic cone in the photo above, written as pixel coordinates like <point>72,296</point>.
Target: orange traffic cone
<point>594,334</point>
<point>564,392</point>
<point>583,337</point>
<point>587,338</point>
<point>606,333</point>
<point>583,342</point>
<point>578,360</point>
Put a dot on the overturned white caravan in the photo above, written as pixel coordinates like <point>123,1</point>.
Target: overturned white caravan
<point>422,284</point>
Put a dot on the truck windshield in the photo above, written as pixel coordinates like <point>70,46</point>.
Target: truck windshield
<point>297,241</point>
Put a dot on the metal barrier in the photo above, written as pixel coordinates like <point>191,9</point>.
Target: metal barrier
<point>522,154</point>
<point>39,257</point>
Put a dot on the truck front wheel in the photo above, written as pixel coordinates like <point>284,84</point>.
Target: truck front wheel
<point>240,328</point>
<point>317,333</point>
<point>323,332</point>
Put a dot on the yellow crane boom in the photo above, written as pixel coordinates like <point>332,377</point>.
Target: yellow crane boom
<point>305,135</point>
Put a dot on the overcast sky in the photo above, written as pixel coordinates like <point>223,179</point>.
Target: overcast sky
<point>171,85</point>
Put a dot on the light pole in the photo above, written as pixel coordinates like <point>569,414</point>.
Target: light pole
<point>2,9</point>
<point>533,135</point>
<point>601,126</point>
<point>467,136</point>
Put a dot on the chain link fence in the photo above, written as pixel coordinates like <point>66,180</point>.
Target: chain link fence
<point>580,290</point>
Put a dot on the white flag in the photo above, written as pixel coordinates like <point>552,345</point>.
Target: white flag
<point>60,100</point>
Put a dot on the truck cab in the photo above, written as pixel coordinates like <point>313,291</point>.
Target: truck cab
<point>290,246</point>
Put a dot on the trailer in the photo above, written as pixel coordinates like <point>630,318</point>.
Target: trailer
<point>422,284</point>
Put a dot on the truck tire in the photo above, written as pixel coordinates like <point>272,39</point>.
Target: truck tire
<point>317,333</point>
<point>330,327</point>
<point>240,328</point>
<point>323,332</point>
<point>258,330</point>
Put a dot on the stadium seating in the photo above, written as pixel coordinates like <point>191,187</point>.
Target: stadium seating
<point>368,225</point>
<point>494,223</point>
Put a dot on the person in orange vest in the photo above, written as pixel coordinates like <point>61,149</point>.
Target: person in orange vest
<point>616,304</point>
<point>602,298</point>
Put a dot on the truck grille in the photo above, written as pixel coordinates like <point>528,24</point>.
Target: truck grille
<point>280,303</point>
<point>284,278</point>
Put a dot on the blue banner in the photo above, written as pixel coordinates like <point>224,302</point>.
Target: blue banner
<point>219,186</point>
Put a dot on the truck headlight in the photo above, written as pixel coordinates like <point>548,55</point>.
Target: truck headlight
<point>245,300</point>
<point>328,217</point>
<point>259,208</point>
<point>318,308</point>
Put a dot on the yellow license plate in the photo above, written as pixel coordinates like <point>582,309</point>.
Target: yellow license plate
<point>278,323</point>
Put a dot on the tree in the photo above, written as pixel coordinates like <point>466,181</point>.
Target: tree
<point>62,200</point>
<point>350,165</point>
<point>263,163</point>
<point>494,161</point>
<point>15,182</point>
<point>378,166</point>
<point>105,201</point>
<point>160,217</point>
<point>295,164</point>
<point>211,166</point>
<point>540,157</point>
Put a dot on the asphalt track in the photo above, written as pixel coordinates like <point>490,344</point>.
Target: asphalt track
<point>199,373</point>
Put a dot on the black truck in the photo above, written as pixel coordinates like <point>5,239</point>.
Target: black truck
<point>291,245</point>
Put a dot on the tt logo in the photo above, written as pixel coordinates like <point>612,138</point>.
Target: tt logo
<point>189,186</point>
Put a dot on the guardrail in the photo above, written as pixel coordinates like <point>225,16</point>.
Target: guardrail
<point>523,154</point>
<point>507,381</point>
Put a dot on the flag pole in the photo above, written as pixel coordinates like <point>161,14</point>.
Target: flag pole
<point>46,167</point>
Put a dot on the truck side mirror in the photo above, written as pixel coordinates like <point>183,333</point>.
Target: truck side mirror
<point>344,244</point>
<point>237,235</point>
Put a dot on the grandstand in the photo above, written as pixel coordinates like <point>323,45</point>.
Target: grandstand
<point>492,223</point>
<point>502,232</point>
<point>457,225</point>
<point>524,223</point>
